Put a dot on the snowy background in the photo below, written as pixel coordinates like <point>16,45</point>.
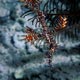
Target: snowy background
<point>23,61</point>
